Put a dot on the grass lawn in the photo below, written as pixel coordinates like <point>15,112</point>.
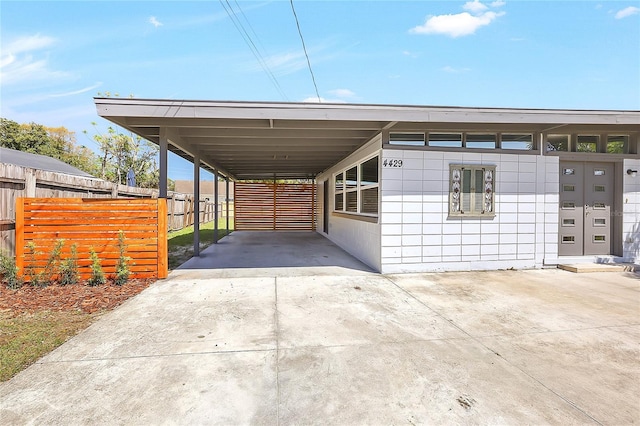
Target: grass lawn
<point>28,336</point>
<point>181,242</point>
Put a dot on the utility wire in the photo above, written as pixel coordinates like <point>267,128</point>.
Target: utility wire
<point>313,78</point>
<point>252,46</point>
<point>250,26</point>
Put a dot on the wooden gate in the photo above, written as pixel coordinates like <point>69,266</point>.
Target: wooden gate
<point>94,224</point>
<point>275,206</point>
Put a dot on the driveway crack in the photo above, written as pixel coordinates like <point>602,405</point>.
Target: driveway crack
<point>277,332</point>
<point>477,340</point>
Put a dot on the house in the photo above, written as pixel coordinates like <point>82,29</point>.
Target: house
<point>424,188</point>
<point>38,162</point>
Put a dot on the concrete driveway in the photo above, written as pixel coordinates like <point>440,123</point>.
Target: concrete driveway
<point>336,345</point>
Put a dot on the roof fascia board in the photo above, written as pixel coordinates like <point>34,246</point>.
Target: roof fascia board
<point>167,109</point>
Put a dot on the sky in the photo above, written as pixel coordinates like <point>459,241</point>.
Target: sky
<point>55,56</point>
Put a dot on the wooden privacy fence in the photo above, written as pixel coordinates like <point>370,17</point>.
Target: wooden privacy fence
<point>17,181</point>
<point>93,223</point>
<point>274,206</point>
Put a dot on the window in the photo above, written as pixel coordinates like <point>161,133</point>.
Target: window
<point>411,139</point>
<point>587,143</point>
<point>369,186</point>
<point>356,189</point>
<point>517,141</point>
<point>487,141</point>
<point>616,144</point>
<point>471,191</point>
<point>610,144</point>
<point>558,143</point>
<point>339,192</point>
<point>446,140</point>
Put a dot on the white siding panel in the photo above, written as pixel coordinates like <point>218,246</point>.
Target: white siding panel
<point>518,236</point>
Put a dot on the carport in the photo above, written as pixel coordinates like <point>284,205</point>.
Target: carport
<point>240,141</point>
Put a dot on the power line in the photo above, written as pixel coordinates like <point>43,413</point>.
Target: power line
<point>252,46</point>
<point>313,78</point>
<point>250,26</point>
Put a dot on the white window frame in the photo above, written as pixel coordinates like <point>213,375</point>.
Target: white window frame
<point>358,189</point>
<point>457,196</point>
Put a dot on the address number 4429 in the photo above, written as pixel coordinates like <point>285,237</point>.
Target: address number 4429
<point>392,163</point>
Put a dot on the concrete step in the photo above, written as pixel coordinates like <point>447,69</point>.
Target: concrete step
<point>599,267</point>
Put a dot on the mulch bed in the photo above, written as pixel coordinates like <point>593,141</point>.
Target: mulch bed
<point>71,297</point>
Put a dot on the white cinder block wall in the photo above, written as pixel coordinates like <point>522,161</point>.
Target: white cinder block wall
<point>418,236</point>
<point>631,213</point>
<point>359,238</point>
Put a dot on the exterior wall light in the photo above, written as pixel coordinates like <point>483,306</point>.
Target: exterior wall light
<point>632,173</point>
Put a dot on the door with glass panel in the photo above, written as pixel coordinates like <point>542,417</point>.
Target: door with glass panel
<point>586,197</point>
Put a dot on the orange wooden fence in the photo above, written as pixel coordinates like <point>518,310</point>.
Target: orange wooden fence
<point>93,223</point>
<point>279,206</point>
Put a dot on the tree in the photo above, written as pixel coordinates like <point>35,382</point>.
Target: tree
<point>120,153</point>
<point>54,142</point>
<point>30,137</point>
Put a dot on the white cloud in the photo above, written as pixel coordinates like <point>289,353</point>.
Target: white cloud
<point>457,25</point>
<point>28,44</point>
<point>18,63</point>
<point>285,63</point>
<point>453,70</point>
<point>498,3</point>
<point>474,6</point>
<point>627,11</point>
<point>293,61</point>
<point>409,54</point>
<point>342,93</point>
<point>321,100</point>
<point>153,21</point>
<point>77,92</point>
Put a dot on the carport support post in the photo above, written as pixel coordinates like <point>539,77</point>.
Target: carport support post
<point>164,143</point>
<point>226,191</point>
<point>196,205</point>
<point>215,206</point>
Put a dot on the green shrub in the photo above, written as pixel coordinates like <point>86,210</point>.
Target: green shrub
<point>122,266</point>
<point>51,268</point>
<point>69,268</point>
<point>34,278</point>
<point>9,272</point>
<point>44,277</point>
<point>97,274</point>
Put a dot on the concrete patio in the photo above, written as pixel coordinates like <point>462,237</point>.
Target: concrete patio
<point>333,343</point>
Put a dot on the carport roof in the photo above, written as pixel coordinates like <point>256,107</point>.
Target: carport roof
<point>259,140</point>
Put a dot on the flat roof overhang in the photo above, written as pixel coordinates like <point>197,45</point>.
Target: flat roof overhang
<point>265,140</point>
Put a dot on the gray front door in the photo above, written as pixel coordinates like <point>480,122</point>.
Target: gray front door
<point>586,197</point>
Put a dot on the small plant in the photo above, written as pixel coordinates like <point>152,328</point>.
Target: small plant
<point>44,277</point>
<point>69,268</point>
<point>122,266</point>
<point>30,271</point>
<point>97,274</point>
<point>51,268</point>
<point>9,272</point>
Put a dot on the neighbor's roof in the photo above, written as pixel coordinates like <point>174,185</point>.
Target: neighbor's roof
<point>253,140</point>
<point>37,161</point>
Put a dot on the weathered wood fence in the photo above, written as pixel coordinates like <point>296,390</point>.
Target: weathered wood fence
<point>94,224</point>
<point>17,181</point>
<point>274,206</point>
